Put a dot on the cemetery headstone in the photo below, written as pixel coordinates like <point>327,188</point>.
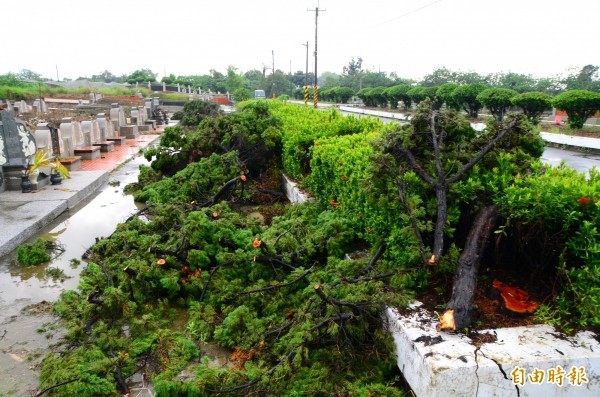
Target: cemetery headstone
<point>43,138</point>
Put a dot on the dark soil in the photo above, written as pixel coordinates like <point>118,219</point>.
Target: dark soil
<point>490,312</point>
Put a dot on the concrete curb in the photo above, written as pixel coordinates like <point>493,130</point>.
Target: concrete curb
<point>43,206</point>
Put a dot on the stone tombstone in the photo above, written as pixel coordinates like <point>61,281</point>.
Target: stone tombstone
<point>17,143</point>
<point>115,116</point>
<point>103,126</point>
<point>122,120</point>
<point>190,97</point>
<point>110,131</point>
<point>95,135</point>
<point>43,138</point>
<point>77,134</point>
<point>135,115</point>
<point>148,107</point>
<point>155,101</point>
<point>40,106</point>
<point>23,107</point>
<point>67,130</point>
<point>164,86</point>
<point>143,114</point>
<point>86,130</point>
<point>178,88</point>
<point>92,98</point>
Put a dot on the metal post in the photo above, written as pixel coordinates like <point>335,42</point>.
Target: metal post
<point>273,85</point>
<point>316,88</point>
<point>306,77</point>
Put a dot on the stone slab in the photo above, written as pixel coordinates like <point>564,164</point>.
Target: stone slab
<point>446,364</point>
<point>105,146</point>
<point>118,140</point>
<point>88,152</point>
<point>129,131</point>
<point>72,164</point>
<point>22,215</point>
<point>37,213</point>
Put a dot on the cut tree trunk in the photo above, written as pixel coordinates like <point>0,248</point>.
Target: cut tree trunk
<point>459,309</point>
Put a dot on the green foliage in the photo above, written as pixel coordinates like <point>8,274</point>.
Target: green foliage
<point>198,181</point>
<point>417,94</point>
<point>398,93</point>
<point>466,96</point>
<point>337,94</point>
<point>194,112</point>
<point>55,273</point>
<point>378,96</point>
<point>496,100</point>
<point>147,304</point>
<point>579,105</point>
<point>88,364</point>
<point>33,254</point>
<point>241,94</point>
<point>533,104</point>
<point>141,76</point>
<point>445,93</point>
<point>304,127</point>
<point>366,96</point>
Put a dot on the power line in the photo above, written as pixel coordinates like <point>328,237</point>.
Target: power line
<point>410,12</point>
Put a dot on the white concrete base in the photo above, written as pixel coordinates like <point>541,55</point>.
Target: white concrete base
<point>454,366</point>
<point>292,191</point>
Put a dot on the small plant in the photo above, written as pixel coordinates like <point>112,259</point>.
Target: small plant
<point>41,159</point>
<point>33,254</point>
<point>56,274</point>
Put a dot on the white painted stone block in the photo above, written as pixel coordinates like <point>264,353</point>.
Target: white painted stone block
<point>293,193</point>
<point>445,364</point>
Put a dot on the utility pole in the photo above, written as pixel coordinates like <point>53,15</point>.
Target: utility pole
<point>306,76</point>
<point>291,83</point>
<point>273,85</point>
<point>316,87</point>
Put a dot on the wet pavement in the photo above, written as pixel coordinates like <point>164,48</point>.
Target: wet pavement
<point>73,214</point>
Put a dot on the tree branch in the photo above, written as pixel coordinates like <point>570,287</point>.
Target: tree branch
<point>276,286</point>
<point>213,271</point>
<point>482,153</point>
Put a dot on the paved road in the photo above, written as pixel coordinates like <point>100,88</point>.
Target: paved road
<point>580,161</point>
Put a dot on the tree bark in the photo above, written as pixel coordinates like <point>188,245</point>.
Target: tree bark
<point>440,223</point>
<point>465,283</point>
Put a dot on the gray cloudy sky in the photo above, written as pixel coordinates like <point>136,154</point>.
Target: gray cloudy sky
<point>543,38</point>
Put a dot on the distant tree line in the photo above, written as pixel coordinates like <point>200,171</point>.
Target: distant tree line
<point>353,76</point>
<point>468,91</point>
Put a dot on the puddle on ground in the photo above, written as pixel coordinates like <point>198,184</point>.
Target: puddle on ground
<point>27,338</point>
<point>212,354</point>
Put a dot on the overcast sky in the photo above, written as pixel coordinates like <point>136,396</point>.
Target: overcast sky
<point>543,38</point>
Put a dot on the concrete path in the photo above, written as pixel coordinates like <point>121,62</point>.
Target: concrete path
<point>23,215</point>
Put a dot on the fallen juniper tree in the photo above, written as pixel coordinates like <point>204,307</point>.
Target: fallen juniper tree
<point>295,314</point>
<point>431,156</point>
